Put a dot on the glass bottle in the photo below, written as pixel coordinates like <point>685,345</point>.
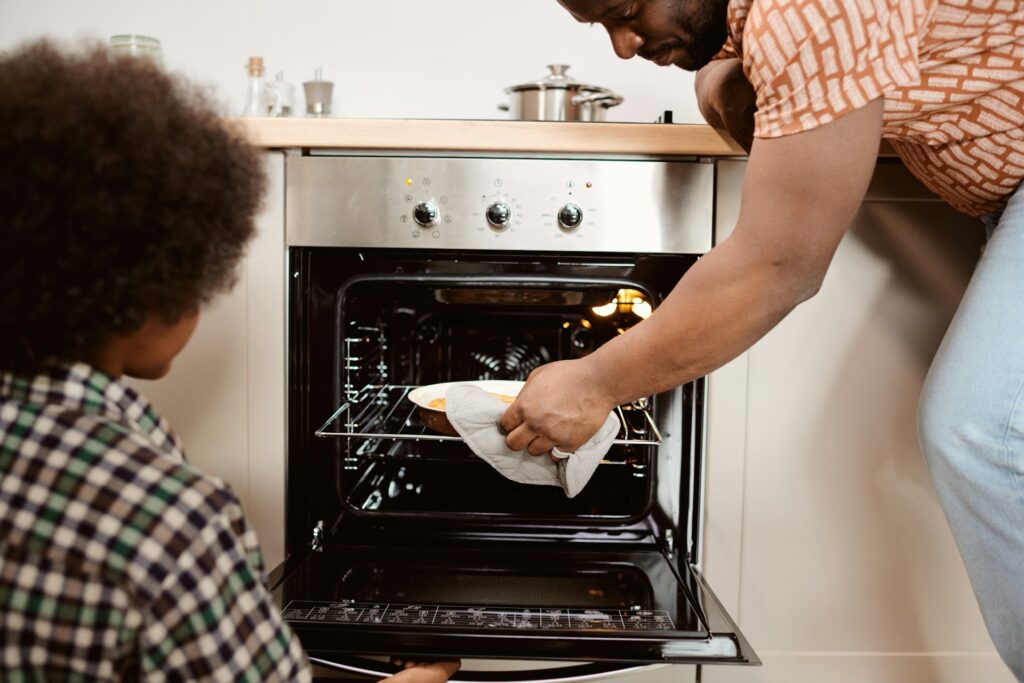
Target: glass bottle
<point>254,98</point>
<point>279,96</point>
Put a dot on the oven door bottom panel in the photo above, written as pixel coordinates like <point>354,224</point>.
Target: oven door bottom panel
<point>607,605</point>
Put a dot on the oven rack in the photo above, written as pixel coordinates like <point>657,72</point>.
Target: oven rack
<point>382,411</point>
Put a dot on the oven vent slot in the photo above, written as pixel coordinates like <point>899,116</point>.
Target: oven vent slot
<point>383,413</point>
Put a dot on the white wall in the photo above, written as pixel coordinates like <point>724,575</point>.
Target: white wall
<point>387,58</point>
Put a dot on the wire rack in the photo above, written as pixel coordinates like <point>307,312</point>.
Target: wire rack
<point>383,411</point>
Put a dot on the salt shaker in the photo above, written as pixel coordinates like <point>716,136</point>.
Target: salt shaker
<point>280,96</point>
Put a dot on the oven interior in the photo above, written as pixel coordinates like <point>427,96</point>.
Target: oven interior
<point>399,332</point>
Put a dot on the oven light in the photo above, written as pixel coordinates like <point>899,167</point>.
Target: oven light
<point>625,301</point>
<point>408,181</point>
<point>585,323</point>
<point>566,325</point>
<point>641,308</point>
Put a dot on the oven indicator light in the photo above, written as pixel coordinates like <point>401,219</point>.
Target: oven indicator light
<point>589,184</point>
<point>408,181</point>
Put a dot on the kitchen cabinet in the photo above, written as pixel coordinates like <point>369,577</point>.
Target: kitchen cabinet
<point>825,538</point>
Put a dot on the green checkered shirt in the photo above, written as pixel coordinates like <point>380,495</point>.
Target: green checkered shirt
<point>118,559</point>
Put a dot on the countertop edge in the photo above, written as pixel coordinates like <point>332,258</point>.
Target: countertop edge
<point>643,139</point>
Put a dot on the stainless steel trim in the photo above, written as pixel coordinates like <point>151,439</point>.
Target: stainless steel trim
<point>715,646</point>
<point>628,206</point>
<point>575,674</point>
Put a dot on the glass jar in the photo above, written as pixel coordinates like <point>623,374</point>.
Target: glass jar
<point>145,47</point>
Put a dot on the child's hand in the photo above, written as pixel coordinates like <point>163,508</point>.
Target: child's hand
<point>423,672</point>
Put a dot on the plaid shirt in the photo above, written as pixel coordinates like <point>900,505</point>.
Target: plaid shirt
<point>118,559</point>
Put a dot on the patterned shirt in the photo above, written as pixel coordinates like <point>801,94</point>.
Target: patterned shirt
<point>951,73</point>
<point>119,560</point>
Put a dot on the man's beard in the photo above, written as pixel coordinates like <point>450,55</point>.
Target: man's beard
<point>708,28</point>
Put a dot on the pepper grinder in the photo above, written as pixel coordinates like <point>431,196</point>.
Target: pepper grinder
<point>318,94</point>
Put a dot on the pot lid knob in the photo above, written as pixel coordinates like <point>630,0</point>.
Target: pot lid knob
<point>558,71</point>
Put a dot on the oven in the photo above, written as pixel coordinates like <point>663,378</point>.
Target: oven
<point>405,270</point>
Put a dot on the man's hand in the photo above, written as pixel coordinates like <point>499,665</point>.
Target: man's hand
<point>727,100</point>
<point>563,404</point>
<point>423,672</point>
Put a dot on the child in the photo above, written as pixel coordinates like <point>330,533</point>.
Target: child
<point>127,205</point>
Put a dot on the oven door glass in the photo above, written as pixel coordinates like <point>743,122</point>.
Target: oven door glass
<point>395,332</point>
<point>602,605</point>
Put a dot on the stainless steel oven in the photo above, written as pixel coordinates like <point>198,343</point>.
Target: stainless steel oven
<point>413,269</point>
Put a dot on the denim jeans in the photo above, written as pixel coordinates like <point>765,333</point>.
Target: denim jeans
<point>971,424</point>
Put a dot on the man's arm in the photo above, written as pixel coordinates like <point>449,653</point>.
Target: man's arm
<point>800,195</point>
<point>726,99</point>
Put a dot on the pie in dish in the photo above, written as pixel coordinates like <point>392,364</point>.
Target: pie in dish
<point>438,403</point>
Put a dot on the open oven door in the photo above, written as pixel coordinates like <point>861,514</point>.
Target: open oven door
<point>616,608</point>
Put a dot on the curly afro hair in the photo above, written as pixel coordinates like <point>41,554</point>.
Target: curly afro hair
<point>125,198</point>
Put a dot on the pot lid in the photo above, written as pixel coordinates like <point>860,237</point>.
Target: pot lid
<point>557,79</point>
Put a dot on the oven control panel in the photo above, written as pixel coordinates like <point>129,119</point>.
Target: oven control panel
<point>534,204</point>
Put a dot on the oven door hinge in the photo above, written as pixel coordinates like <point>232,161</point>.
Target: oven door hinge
<point>669,541</point>
<point>317,544</point>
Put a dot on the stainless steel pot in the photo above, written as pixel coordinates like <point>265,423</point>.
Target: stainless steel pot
<point>559,97</point>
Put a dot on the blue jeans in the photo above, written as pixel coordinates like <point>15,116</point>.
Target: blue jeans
<point>971,423</point>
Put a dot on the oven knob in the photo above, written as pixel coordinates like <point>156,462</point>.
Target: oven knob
<point>499,215</point>
<point>569,217</point>
<point>425,214</point>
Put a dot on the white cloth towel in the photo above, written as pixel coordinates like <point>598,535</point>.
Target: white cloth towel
<point>475,415</point>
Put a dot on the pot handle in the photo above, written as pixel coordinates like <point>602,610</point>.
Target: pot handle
<point>606,99</point>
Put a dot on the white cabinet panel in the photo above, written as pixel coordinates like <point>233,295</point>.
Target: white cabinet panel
<point>865,667</point>
<point>266,331</point>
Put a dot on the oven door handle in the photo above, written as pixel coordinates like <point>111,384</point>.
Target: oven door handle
<point>590,671</point>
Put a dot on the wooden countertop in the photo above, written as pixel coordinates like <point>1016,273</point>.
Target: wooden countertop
<point>642,139</point>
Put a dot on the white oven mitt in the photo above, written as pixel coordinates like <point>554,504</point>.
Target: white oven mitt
<point>475,414</point>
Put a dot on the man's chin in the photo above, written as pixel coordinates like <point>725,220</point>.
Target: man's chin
<point>690,63</point>
<point>686,64</point>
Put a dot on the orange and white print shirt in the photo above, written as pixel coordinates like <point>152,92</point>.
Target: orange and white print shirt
<point>951,73</point>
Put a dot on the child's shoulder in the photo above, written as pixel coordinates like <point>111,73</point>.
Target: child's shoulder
<point>142,468</point>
